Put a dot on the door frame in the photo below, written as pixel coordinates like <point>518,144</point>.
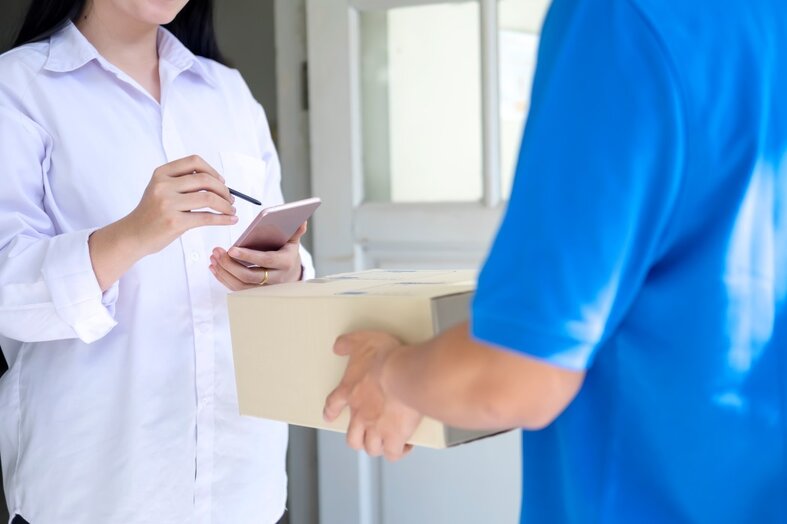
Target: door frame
<point>351,234</point>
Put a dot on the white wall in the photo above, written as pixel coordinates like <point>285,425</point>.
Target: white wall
<point>421,97</point>
<point>435,99</point>
<point>245,30</point>
<point>422,103</point>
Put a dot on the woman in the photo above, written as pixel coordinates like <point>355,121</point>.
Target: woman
<point>118,142</point>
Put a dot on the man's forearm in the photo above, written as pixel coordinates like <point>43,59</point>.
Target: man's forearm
<point>468,384</point>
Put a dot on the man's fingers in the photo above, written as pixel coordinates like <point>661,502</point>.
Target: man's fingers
<point>373,443</point>
<point>335,403</point>
<point>394,447</point>
<point>392,456</point>
<point>408,448</point>
<point>395,454</point>
<point>355,434</point>
<point>344,345</point>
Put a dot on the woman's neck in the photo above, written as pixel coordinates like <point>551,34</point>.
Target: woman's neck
<point>128,44</point>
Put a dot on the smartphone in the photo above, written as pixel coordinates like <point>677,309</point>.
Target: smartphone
<point>276,225</point>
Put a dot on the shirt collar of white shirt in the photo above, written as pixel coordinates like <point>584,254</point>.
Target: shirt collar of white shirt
<point>69,50</point>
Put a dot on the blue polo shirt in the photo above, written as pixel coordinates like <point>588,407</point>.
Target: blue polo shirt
<point>646,243</point>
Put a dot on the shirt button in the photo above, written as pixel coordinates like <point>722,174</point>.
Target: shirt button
<point>204,328</point>
<point>194,256</point>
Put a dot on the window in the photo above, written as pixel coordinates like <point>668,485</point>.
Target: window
<point>444,95</point>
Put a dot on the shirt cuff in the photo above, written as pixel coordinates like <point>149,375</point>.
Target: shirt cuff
<point>74,288</point>
<point>307,264</point>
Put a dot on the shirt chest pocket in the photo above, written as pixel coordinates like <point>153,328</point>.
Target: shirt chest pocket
<point>247,175</point>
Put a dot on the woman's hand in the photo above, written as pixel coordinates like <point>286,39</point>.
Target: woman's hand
<point>167,210</point>
<point>169,205</point>
<point>275,267</point>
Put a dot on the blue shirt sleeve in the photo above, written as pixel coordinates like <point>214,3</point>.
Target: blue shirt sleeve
<point>600,169</point>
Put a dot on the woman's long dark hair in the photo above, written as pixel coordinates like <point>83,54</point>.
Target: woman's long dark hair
<point>193,26</point>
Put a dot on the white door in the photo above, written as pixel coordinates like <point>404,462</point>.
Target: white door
<point>416,111</point>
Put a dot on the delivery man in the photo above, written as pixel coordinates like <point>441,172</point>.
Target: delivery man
<point>631,314</point>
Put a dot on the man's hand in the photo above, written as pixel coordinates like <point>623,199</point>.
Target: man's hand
<point>379,423</point>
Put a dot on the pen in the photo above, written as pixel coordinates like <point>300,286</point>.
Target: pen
<point>247,198</point>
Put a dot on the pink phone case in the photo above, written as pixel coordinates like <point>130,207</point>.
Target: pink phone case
<point>274,226</point>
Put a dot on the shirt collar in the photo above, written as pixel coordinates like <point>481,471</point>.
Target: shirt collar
<point>172,50</point>
<point>69,50</point>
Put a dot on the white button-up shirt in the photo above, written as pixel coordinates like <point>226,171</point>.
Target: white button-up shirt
<point>121,407</point>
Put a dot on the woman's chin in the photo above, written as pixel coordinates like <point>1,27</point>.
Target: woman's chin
<point>158,12</point>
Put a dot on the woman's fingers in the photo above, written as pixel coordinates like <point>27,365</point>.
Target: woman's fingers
<point>188,165</point>
<point>197,182</point>
<point>205,218</point>
<point>296,238</point>
<point>247,275</point>
<point>192,174</point>
<point>175,191</point>
<point>226,278</point>
<point>202,200</point>
<point>281,259</point>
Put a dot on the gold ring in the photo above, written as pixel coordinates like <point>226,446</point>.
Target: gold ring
<point>264,280</point>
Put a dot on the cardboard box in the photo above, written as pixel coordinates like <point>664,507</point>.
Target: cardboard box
<point>282,338</point>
